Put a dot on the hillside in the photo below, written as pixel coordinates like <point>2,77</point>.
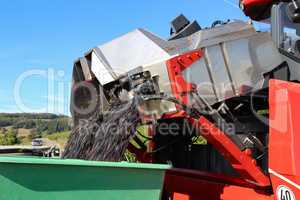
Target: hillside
<point>21,128</point>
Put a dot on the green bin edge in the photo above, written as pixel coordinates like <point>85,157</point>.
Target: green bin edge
<point>58,161</point>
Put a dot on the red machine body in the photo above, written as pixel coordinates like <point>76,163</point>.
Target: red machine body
<point>241,161</point>
<point>257,9</point>
<point>284,150</point>
<point>282,182</point>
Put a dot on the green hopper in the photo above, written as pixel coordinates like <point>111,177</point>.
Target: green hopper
<point>27,178</point>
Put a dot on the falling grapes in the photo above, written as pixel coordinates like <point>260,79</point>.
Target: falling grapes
<point>104,137</point>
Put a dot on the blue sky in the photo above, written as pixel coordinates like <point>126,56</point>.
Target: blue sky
<point>48,35</point>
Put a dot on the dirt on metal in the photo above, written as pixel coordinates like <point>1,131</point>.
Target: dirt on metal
<point>104,137</point>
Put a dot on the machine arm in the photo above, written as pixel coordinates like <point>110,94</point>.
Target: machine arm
<point>241,161</point>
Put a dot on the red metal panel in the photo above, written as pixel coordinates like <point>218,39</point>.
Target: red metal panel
<point>235,192</point>
<point>192,185</point>
<point>284,150</point>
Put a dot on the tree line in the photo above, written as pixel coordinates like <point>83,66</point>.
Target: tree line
<point>37,123</point>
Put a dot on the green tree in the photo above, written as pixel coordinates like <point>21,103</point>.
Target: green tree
<point>9,138</point>
<point>34,133</point>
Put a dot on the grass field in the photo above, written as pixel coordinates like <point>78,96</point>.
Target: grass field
<point>60,138</point>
